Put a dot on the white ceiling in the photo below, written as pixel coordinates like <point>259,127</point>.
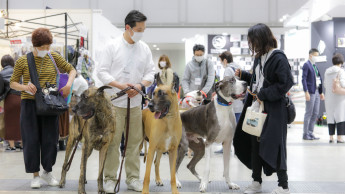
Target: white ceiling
<point>178,13</point>
<point>167,46</point>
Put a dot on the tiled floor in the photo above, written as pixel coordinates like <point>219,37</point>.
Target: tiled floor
<point>313,167</point>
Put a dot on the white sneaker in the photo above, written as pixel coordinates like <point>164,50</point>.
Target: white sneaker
<point>135,185</point>
<point>49,178</point>
<point>109,186</point>
<point>36,182</point>
<point>255,187</point>
<point>280,190</point>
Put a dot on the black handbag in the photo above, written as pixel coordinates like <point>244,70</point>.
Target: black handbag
<point>291,110</point>
<point>49,101</point>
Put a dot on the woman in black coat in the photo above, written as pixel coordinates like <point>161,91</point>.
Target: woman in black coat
<point>269,82</point>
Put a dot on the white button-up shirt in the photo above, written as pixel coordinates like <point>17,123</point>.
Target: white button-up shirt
<point>126,63</point>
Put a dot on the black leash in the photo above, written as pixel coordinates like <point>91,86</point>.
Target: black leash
<point>68,165</point>
<point>118,95</point>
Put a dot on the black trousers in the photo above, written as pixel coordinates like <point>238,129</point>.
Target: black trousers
<point>340,128</point>
<point>257,165</point>
<point>40,135</point>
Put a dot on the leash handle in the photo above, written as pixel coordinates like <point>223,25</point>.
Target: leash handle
<point>117,186</point>
<point>123,92</point>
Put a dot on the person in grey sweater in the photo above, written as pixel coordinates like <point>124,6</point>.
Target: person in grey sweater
<point>229,70</point>
<point>199,74</point>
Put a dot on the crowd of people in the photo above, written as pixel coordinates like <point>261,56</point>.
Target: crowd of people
<point>269,80</point>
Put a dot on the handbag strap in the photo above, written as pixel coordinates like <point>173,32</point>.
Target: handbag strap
<point>33,70</point>
<point>57,70</point>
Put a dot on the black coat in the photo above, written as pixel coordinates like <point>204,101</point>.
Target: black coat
<point>5,76</point>
<point>272,151</point>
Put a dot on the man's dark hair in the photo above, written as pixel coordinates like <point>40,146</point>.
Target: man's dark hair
<point>313,50</point>
<point>198,47</point>
<point>261,39</point>
<point>226,55</point>
<point>338,59</point>
<point>7,60</point>
<point>133,17</point>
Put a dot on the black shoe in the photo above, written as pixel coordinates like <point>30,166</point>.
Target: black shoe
<point>307,137</point>
<point>219,151</point>
<point>313,137</point>
<point>10,148</point>
<point>330,141</point>
<point>62,145</point>
<point>340,141</point>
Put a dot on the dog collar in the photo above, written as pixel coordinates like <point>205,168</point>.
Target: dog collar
<point>222,101</point>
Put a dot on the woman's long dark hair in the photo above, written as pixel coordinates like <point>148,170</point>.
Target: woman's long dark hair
<point>261,39</point>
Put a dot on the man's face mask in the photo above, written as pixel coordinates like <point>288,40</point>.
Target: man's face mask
<point>199,58</point>
<point>136,35</point>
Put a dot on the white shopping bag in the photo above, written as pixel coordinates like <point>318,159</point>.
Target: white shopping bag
<point>254,120</point>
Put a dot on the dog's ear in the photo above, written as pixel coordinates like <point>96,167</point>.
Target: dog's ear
<point>173,87</point>
<point>218,85</point>
<point>100,90</point>
<point>158,79</point>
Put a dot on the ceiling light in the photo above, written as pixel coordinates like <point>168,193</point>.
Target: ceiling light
<point>184,39</point>
<point>224,34</point>
<point>157,49</point>
<point>154,46</point>
<point>281,20</point>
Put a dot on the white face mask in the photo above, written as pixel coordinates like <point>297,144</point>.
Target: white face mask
<point>136,36</point>
<point>313,59</point>
<point>199,58</point>
<point>163,64</point>
<point>42,53</point>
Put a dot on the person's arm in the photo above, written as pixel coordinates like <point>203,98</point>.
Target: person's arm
<point>186,79</point>
<point>279,89</point>
<point>304,81</point>
<point>18,71</point>
<point>2,85</point>
<point>64,65</point>
<point>210,77</point>
<point>148,75</point>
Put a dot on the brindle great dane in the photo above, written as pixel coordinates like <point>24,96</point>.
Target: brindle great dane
<point>94,113</point>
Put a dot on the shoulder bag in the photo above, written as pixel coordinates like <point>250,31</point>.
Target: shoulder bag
<point>49,101</point>
<point>336,88</point>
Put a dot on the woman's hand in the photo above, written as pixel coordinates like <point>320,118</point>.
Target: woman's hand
<point>65,91</point>
<point>31,88</point>
<point>237,72</point>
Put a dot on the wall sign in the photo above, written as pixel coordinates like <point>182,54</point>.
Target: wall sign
<point>218,43</point>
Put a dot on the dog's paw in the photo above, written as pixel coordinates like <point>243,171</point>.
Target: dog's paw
<point>203,187</point>
<point>145,192</point>
<point>178,183</point>
<point>159,183</point>
<point>62,184</point>
<point>233,186</point>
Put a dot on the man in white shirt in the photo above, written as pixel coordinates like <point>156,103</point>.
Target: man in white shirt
<point>127,61</point>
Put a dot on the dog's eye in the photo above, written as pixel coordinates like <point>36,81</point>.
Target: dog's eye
<point>83,96</point>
